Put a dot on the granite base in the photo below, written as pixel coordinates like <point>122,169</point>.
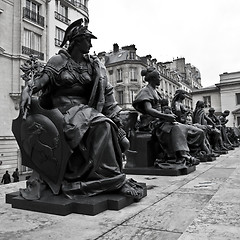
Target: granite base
<point>61,205</point>
<point>158,171</point>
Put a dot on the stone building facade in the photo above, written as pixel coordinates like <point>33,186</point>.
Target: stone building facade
<point>124,68</point>
<point>222,96</point>
<point>27,27</point>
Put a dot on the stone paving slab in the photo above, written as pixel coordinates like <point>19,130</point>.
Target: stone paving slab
<point>175,208</point>
<point>220,219</point>
<point>173,213</point>
<point>211,232</point>
<point>135,233</point>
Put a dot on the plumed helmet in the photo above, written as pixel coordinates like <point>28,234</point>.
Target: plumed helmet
<point>76,29</point>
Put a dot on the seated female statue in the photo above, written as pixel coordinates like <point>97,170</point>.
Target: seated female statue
<point>212,133</point>
<point>202,150</point>
<point>223,121</point>
<point>171,135</point>
<point>76,84</point>
<point>178,107</point>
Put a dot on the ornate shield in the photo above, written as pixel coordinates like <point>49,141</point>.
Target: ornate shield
<point>42,143</point>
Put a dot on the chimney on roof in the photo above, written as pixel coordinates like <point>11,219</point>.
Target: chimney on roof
<point>115,48</point>
<point>129,48</point>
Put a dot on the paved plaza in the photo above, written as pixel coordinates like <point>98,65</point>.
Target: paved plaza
<point>204,205</point>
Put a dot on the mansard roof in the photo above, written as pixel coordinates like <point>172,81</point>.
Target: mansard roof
<point>119,56</point>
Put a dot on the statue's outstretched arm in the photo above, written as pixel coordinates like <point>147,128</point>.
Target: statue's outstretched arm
<point>157,114</point>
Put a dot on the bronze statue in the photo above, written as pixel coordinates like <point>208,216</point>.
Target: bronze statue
<point>223,121</point>
<point>214,118</point>
<point>218,125</point>
<point>178,107</point>
<point>202,150</point>
<point>171,135</point>
<point>83,112</point>
<point>212,133</point>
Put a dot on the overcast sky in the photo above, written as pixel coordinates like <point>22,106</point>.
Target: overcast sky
<point>205,32</point>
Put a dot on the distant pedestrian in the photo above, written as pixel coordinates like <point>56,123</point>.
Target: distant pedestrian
<point>15,176</point>
<point>6,178</point>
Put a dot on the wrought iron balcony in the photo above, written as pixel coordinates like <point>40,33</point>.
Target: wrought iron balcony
<point>58,42</point>
<point>29,51</point>
<point>77,4</point>
<point>62,18</point>
<point>33,16</point>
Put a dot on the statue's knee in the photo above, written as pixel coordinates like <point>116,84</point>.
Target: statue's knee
<point>124,144</point>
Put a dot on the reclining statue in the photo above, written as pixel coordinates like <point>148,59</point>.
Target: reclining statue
<point>77,112</point>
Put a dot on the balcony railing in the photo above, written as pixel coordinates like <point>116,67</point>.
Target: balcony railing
<point>29,51</point>
<point>77,4</point>
<point>58,42</point>
<point>62,18</point>
<point>33,16</point>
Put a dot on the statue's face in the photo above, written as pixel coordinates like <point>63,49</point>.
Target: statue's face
<point>211,112</point>
<point>200,104</point>
<point>156,78</point>
<point>189,119</point>
<point>83,44</point>
<point>182,95</point>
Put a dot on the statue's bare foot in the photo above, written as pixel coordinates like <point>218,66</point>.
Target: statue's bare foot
<point>192,160</point>
<point>33,190</point>
<point>132,189</point>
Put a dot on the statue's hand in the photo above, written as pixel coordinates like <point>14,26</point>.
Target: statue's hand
<point>170,117</point>
<point>25,100</point>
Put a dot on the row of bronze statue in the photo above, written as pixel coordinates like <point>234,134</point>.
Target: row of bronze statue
<point>184,137</point>
<point>72,135</point>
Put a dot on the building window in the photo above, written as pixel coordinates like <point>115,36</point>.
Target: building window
<point>238,121</point>
<point>119,75</point>
<point>32,40</point>
<point>59,35</point>
<point>166,86</point>
<point>61,12</point>
<point>237,98</point>
<point>170,88</point>
<point>132,95</point>
<point>207,101</point>
<point>133,77</point>
<point>34,8</point>
<point>32,44</point>
<point>120,97</point>
<point>80,4</point>
<point>32,13</point>
<point>132,55</point>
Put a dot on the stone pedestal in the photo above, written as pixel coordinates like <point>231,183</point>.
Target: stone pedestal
<point>61,205</point>
<point>160,172</point>
<point>144,151</point>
